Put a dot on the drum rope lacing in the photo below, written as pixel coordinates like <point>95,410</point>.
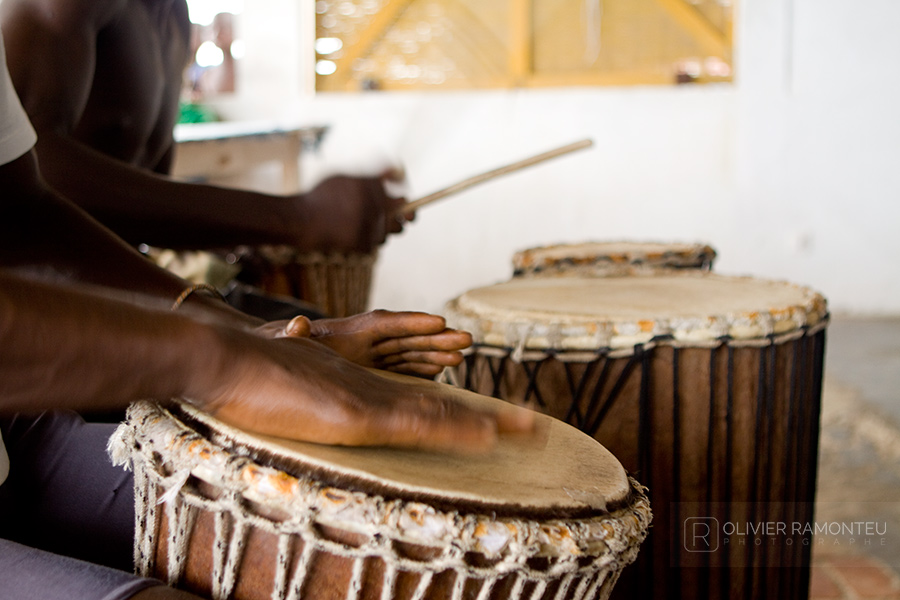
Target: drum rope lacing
<point>520,352</point>
<point>786,375</point>
<point>528,332</point>
<point>590,419</point>
<point>609,541</point>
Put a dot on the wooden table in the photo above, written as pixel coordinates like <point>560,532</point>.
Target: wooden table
<point>226,152</point>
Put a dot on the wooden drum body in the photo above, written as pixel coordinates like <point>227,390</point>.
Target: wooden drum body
<point>606,259</point>
<point>338,284</point>
<point>706,387</point>
<point>229,515</point>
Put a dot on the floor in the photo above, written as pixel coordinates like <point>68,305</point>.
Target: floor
<point>859,463</point>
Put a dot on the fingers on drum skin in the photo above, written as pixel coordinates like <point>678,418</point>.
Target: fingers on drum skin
<point>401,339</point>
<point>382,324</point>
<point>439,359</point>
<point>397,324</point>
<point>405,348</point>
<point>426,370</point>
<point>439,424</point>
<point>515,419</point>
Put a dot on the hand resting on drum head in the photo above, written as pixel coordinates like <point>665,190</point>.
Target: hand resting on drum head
<point>296,388</point>
<point>289,387</point>
<point>414,343</point>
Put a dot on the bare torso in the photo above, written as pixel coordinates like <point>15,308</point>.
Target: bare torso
<point>133,103</point>
<point>101,80</point>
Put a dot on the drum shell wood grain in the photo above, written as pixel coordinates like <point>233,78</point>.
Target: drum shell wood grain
<point>729,431</point>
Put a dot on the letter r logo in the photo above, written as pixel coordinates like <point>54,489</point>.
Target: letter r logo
<point>701,534</point>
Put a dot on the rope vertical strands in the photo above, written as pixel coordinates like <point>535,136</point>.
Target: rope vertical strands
<point>355,588</point>
<point>487,586</point>
<point>144,530</point>
<point>564,587</point>
<point>279,586</point>
<point>235,553</point>
<point>581,590</point>
<point>539,590</point>
<point>387,584</point>
<point>220,551</point>
<point>459,584</point>
<point>300,573</point>
<point>180,519</point>
<point>424,582</point>
<point>595,586</point>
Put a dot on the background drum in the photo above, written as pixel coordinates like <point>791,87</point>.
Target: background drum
<point>603,259</point>
<point>230,515</point>
<point>706,387</point>
<point>338,284</point>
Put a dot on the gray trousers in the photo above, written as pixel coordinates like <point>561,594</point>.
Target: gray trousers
<point>66,514</point>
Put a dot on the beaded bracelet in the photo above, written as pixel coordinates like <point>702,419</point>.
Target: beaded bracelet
<point>197,288</point>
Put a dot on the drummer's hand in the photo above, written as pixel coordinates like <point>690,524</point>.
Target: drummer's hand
<point>296,388</point>
<point>351,214</point>
<point>415,343</point>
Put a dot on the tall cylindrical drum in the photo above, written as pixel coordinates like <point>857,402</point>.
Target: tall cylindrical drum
<point>706,387</point>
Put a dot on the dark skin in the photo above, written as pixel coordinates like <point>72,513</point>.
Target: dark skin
<point>100,81</point>
<point>78,304</point>
<point>43,235</point>
<point>118,338</point>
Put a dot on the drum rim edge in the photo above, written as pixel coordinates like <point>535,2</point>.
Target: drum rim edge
<point>151,428</point>
<point>752,328</point>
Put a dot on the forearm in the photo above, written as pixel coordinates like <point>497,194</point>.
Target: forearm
<point>62,347</point>
<point>44,235</point>
<point>68,347</point>
<point>144,207</point>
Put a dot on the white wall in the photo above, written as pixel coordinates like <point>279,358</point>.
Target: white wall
<point>817,148</point>
<point>790,173</point>
<point>660,169</point>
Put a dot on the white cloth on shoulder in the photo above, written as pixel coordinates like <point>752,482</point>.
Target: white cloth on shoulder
<point>17,136</point>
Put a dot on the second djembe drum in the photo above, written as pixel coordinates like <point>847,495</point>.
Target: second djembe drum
<point>706,387</point>
<point>338,284</point>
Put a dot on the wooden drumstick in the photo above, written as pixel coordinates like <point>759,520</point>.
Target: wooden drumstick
<point>467,183</point>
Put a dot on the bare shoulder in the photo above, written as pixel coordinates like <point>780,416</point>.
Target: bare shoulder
<point>61,15</point>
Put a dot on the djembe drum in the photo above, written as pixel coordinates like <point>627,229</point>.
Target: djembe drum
<point>706,387</point>
<point>227,514</point>
<point>604,259</point>
<point>338,284</point>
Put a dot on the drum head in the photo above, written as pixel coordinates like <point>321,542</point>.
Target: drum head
<point>587,313</point>
<point>563,473</point>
